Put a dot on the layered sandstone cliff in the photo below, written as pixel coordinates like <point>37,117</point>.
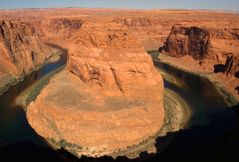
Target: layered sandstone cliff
<point>232,65</point>
<point>21,50</point>
<point>214,44</point>
<point>109,99</point>
<point>207,50</point>
<point>60,30</point>
<point>110,56</point>
<point>183,41</point>
<point>150,30</point>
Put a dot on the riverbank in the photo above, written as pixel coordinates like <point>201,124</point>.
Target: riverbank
<point>221,82</point>
<point>9,81</point>
<point>177,116</point>
<point>32,92</point>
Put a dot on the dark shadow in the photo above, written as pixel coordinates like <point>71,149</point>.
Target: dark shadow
<point>237,74</point>
<point>64,51</point>
<point>237,88</point>
<point>219,68</point>
<point>154,54</point>
<point>236,108</point>
<point>161,49</point>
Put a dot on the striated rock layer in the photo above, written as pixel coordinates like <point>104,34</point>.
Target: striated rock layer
<point>212,51</point>
<point>183,41</point>
<point>232,65</point>
<point>60,30</point>
<point>21,50</point>
<point>108,100</point>
<point>201,42</point>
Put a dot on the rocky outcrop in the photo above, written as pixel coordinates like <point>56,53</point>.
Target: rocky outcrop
<point>110,56</point>
<point>60,30</point>
<point>107,102</point>
<point>206,50</point>
<point>183,41</point>
<point>232,65</point>
<point>21,49</point>
<point>150,30</point>
<point>213,43</point>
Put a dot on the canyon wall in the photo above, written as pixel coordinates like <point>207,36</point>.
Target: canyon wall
<point>21,49</point>
<point>209,50</point>
<point>201,42</point>
<point>213,43</point>
<point>107,54</point>
<point>150,30</point>
<point>183,41</point>
<point>60,30</point>
<point>232,65</point>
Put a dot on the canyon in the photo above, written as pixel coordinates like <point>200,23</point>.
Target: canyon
<point>109,98</point>
<point>107,111</point>
<point>212,51</point>
<point>21,51</point>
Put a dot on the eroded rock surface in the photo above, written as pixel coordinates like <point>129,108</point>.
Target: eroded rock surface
<point>208,50</point>
<point>212,43</point>
<point>232,65</point>
<point>183,41</point>
<point>20,48</point>
<point>108,100</point>
<point>60,30</point>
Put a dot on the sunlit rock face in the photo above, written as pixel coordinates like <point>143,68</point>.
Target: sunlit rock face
<point>60,30</point>
<point>183,41</point>
<point>20,48</point>
<point>107,101</point>
<point>203,42</point>
<point>206,48</point>
<point>107,55</point>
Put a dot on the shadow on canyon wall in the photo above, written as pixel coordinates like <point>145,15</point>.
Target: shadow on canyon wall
<point>196,143</point>
<point>64,51</point>
<point>219,68</point>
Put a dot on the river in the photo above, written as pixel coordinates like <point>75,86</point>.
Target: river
<point>207,133</point>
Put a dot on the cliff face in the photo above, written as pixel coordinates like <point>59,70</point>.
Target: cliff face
<point>201,42</point>
<point>60,30</point>
<point>232,65</point>
<point>110,56</point>
<point>21,49</point>
<point>206,49</point>
<point>191,41</point>
<point>115,97</point>
<point>150,30</point>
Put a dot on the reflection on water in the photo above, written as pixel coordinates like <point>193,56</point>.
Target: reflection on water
<point>13,123</point>
<point>205,135</point>
<point>211,121</point>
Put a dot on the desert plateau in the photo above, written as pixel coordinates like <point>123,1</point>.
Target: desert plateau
<point>117,84</point>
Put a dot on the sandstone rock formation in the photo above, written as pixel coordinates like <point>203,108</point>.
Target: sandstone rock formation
<point>20,48</point>
<point>213,49</point>
<point>107,102</point>
<point>110,85</point>
<point>191,41</point>
<point>110,57</point>
<point>60,30</point>
<point>150,30</point>
<point>213,43</point>
<point>232,65</point>
<point>151,27</point>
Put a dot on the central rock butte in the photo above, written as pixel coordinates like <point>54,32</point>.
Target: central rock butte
<point>108,100</point>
